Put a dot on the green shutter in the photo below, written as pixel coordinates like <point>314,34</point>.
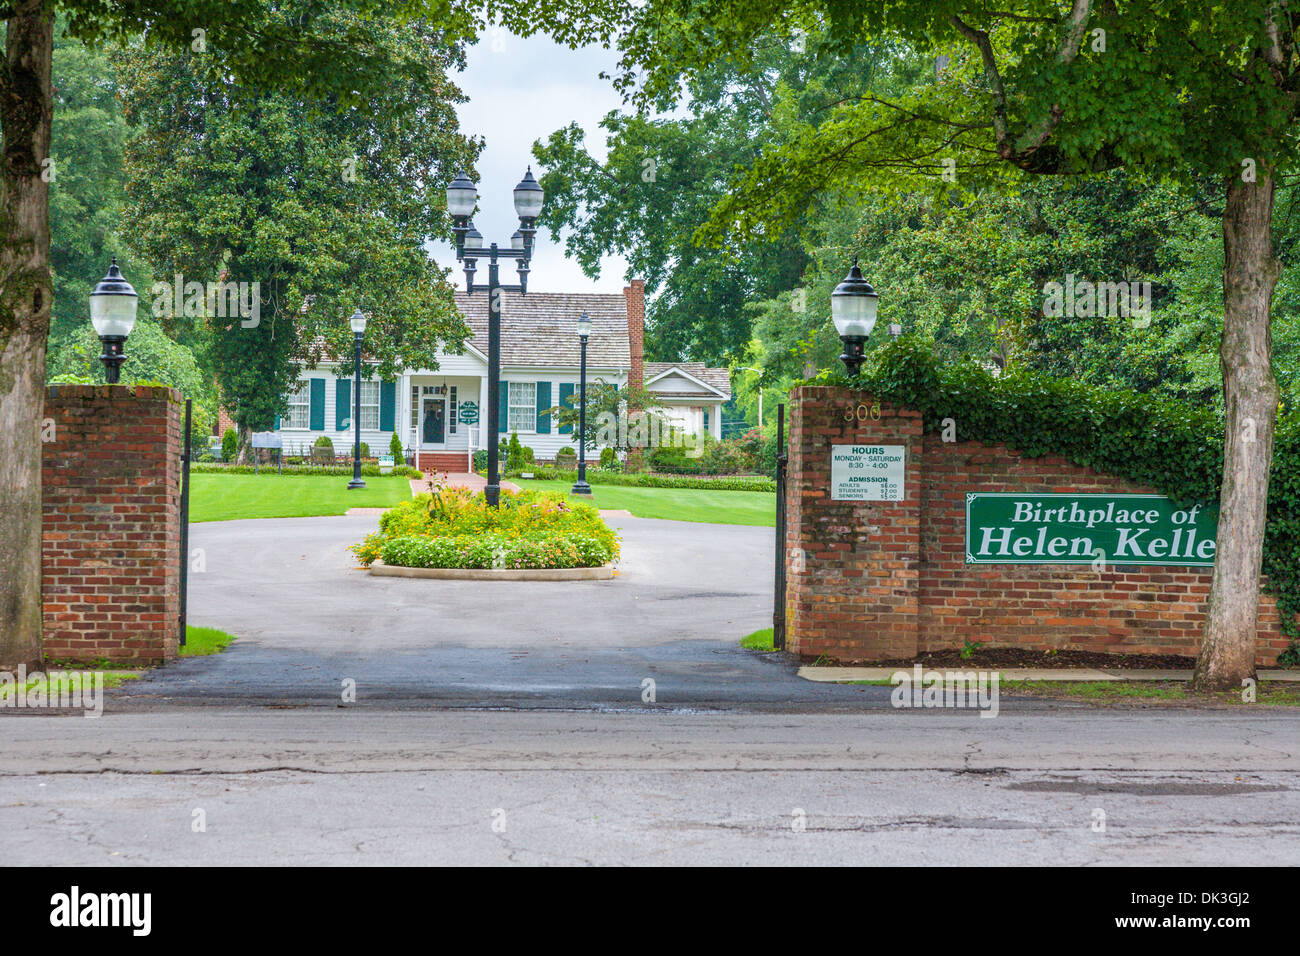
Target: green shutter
<point>503,407</point>
<point>342,404</point>
<point>543,403</point>
<point>387,406</point>
<point>566,392</point>
<point>317,419</point>
<point>277,423</point>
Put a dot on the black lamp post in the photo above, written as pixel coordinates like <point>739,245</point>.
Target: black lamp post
<point>853,309</point>
<point>358,323</point>
<point>462,200</point>
<point>112,313</point>
<point>580,487</point>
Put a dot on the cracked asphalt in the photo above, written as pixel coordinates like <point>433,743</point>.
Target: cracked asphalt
<point>509,727</point>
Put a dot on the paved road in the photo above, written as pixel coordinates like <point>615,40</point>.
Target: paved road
<point>356,786</point>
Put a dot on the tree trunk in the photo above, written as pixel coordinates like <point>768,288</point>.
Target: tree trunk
<point>25,293</point>
<point>1250,271</point>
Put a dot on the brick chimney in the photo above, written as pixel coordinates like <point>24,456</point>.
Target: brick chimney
<point>635,296</point>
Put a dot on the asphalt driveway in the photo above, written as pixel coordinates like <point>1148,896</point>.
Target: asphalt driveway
<point>661,635</point>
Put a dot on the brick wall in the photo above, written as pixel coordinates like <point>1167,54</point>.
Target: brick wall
<point>881,580</point>
<point>111,479</point>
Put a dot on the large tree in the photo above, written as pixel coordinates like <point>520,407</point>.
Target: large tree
<point>260,44</point>
<point>1042,88</point>
<point>317,207</point>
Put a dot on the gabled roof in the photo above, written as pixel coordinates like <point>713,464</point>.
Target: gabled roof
<point>715,379</point>
<point>539,329</point>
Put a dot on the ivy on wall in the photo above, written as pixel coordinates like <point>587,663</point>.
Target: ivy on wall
<point>1171,446</point>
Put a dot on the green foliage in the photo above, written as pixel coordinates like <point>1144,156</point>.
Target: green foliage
<point>395,449</point>
<point>324,441</point>
<point>453,527</point>
<point>518,457</point>
<point>312,202</point>
<point>229,445</point>
<point>566,457</point>
<point>481,460</point>
<point>1171,446</point>
<point>609,459</point>
<point>270,470</point>
<point>649,479</point>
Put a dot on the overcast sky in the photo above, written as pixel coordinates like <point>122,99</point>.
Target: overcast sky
<point>521,90</point>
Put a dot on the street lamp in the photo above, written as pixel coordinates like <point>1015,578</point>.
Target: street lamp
<point>853,309</point>
<point>462,200</point>
<point>580,487</point>
<point>358,323</point>
<point>112,313</point>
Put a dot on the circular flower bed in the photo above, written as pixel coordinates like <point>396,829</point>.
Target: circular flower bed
<point>455,528</point>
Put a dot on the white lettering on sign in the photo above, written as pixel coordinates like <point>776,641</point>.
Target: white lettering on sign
<point>867,472</point>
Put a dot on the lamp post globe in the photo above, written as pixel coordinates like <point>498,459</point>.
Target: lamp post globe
<point>113,306</point>
<point>528,197</point>
<point>853,310</point>
<point>358,323</point>
<point>462,197</point>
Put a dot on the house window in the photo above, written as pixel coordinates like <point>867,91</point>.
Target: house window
<point>523,407</point>
<point>706,419</point>
<point>299,407</point>
<point>370,406</point>
<point>451,415</point>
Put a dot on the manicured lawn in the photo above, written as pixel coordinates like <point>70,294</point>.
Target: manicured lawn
<point>676,504</point>
<point>227,497</point>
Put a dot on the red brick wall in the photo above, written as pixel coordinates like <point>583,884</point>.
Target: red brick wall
<point>111,557</point>
<point>883,580</point>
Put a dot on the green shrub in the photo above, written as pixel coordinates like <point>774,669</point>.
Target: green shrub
<point>480,459</point>
<point>229,445</point>
<point>520,457</point>
<point>650,479</point>
<point>395,449</point>
<point>563,550</point>
<point>402,471</point>
<point>324,441</point>
<point>609,459</point>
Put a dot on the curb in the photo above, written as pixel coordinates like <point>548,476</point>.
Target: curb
<point>835,675</point>
<point>602,573</point>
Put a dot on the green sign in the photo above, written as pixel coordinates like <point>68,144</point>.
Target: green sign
<point>1080,529</point>
<point>468,414</point>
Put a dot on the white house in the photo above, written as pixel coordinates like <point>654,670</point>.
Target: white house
<point>439,413</point>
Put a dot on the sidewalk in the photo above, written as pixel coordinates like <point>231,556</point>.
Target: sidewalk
<point>842,674</point>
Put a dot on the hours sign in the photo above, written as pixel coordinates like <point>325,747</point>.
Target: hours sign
<point>867,472</point>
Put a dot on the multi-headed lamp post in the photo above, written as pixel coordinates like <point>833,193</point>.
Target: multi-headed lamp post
<point>580,487</point>
<point>853,309</point>
<point>462,200</point>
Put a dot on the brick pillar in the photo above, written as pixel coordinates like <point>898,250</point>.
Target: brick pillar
<point>851,566</point>
<point>634,295</point>
<point>111,556</point>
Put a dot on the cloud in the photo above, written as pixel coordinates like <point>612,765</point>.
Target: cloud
<point>521,90</point>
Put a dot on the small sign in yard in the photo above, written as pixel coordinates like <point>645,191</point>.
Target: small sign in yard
<point>867,472</point>
<point>267,440</point>
<point>468,414</point>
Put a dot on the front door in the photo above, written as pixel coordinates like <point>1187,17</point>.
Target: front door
<point>435,422</point>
